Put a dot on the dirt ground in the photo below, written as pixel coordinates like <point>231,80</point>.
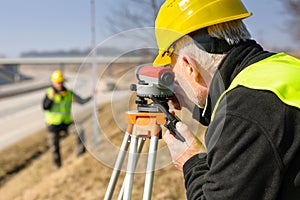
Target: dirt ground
<point>27,173</point>
<point>26,170</point>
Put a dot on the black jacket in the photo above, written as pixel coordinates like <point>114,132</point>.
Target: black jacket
<point>253,143</point>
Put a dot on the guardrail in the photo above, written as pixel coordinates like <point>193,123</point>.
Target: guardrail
<point>23,90</point>
<point>73,60</point>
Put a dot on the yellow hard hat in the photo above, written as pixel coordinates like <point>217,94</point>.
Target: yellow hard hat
<point>57,76</point>
<point>180,17</point>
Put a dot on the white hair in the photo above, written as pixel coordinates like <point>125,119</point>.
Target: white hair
<point>204,60</point>
<point>233,32</point>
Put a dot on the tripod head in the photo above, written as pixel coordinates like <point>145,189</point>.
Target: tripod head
<point>156,84</point>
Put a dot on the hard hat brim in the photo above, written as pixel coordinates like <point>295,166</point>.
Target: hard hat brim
<point>162,59</point>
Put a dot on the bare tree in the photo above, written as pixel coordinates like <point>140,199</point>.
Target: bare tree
<point>132,21</point>
<point>293,7</point>
<point>133,14</point>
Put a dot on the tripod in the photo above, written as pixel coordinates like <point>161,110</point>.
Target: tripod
<point>141,125</point>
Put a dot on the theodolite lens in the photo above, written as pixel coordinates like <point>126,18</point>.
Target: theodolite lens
<point>167,79</point>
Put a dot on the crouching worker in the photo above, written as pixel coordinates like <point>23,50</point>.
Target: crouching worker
<point>58,103</point>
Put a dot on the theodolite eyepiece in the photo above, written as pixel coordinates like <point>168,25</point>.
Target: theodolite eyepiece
<point>156,84</point>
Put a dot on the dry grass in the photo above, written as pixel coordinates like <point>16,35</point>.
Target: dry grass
<point>19,156</point>
<point>80,177</point>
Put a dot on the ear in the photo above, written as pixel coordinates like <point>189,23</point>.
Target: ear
<point>190,67</point>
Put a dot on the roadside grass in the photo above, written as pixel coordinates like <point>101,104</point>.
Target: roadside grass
<point>27,171</point>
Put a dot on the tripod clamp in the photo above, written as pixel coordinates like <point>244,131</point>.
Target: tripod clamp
<point>172,119</point>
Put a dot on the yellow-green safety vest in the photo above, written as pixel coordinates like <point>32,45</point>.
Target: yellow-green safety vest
<point>60,111</point>
<point>279,74</point>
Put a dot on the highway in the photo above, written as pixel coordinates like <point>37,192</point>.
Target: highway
<point>22,115</point>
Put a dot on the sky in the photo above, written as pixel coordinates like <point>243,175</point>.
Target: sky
<point>49,25</point>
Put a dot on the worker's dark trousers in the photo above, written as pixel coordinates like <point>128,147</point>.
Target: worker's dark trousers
<point>54,138</point>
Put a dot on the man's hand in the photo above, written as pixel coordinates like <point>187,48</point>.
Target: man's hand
<point>52,94</point>
<point>180,100</point>
<point>182,151</point>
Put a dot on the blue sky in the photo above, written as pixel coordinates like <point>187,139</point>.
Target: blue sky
<point>47,25</point>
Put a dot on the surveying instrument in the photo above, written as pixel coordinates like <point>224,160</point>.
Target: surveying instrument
<point>156,84</point>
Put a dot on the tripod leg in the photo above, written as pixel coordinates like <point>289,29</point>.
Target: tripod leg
<point>141,142</point>
<point>150,168</point>
<point>132,159</point>
<point>117,168</point>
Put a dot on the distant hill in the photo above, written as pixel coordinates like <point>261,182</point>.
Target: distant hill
<point>58,53</point>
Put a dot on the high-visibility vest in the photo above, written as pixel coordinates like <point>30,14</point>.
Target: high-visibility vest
<point>279,74</point>
<point>60,111</point>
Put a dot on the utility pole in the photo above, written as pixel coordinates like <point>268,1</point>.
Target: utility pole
<point>95,77</point>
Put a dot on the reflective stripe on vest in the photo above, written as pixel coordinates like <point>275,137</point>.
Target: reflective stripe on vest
<point>60,111</point>
<point>279,74</point>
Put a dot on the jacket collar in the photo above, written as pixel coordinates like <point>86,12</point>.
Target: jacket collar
<point>238,58</point>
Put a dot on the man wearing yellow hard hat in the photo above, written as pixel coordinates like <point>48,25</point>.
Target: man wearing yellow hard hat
<point>58,104</point>
<point>247,97</point>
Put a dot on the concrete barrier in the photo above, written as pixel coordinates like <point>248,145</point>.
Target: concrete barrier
<point>21,89</point>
